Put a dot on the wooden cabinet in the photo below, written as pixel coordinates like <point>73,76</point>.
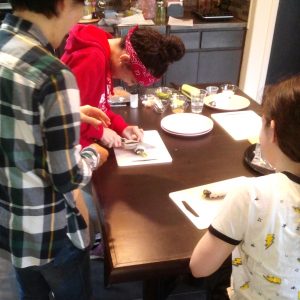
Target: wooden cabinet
<point>212,55</point>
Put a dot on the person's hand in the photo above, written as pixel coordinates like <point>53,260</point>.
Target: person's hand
<point>94,116</point>
<point>133,133</point>
<point>110,138</point>
<point>102,151</point>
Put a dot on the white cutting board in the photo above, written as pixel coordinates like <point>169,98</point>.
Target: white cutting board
<point>241,125</point>
<point>156,150</point>
<point>205,208</point>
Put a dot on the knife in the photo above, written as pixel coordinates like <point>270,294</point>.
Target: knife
<point>131,144</point>
<point>189,208</point>
<point>145,159</point>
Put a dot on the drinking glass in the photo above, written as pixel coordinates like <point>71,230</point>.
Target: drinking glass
<point>211,90</point>
<point>228,90</point>
<point>134,100</point>
<point>197,100</point>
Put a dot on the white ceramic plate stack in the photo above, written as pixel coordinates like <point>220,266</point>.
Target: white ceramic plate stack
<point>187,124</point>
<point>225,103</point>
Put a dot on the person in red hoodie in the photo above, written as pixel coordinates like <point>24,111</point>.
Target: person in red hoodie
<point>96,58</point>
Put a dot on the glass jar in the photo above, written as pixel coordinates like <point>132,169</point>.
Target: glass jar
<point>87,10</point>
<point>160,18</point>
<point>149,9</point>
<point>100,8</point>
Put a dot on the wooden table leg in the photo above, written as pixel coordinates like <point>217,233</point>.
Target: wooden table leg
<point>152,290</point>
<point>159,288</point>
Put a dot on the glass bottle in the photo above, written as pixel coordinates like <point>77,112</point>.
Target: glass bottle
<point>160,18</point>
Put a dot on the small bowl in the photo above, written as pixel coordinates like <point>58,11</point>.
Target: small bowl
<point>179,103</point>
<point>163,93</point>
<point>148,100</point>
<point>160,106</point>
<point>228,90</point>
<point>211,90</point>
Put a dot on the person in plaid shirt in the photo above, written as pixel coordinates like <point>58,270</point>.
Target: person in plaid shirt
<point>41,162</point>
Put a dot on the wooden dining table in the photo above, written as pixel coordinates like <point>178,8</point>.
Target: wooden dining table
<point>146,236</point>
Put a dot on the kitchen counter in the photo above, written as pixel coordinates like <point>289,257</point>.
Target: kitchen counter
<point>202,24</point>
<point>198,23</point>
<point>214,49</point>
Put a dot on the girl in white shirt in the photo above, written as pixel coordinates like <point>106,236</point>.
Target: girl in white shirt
<point>260,221</point>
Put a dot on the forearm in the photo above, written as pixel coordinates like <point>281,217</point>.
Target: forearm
<point>208,255</point>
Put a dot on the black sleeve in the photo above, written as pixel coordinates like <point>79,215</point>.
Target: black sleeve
<point>222,237</point>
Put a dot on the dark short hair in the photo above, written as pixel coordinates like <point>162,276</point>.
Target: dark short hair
<point>281,103</point>
<point>45,7</point>
<point>155,50</point>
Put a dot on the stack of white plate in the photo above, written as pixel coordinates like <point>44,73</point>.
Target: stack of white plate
<point>187,124</point>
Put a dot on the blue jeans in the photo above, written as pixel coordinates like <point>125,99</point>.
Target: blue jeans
<point>67,277</point>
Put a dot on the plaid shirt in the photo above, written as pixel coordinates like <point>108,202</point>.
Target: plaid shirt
<point>40,159</point>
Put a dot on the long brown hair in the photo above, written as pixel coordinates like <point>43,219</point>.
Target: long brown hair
<point>155,50</point>
<point>281,103</point>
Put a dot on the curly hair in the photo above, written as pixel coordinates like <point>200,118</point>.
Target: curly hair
<point>281,103</point>
<point>155,50</point>
<point>45,7</point>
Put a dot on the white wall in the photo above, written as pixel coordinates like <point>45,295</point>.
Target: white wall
<point>260,30</point>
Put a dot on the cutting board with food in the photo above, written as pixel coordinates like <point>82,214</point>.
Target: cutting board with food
<point>202,203</point>
<point>151,150</point>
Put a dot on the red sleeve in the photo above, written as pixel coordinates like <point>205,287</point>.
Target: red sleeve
<point>88,66</point>
<point>118,124</point>
<point>88,134</point>
<point>91,83</point>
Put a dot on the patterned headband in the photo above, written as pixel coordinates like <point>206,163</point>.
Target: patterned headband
<point>141,74</point>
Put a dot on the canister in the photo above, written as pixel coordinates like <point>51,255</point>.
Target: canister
<point>160,13</point>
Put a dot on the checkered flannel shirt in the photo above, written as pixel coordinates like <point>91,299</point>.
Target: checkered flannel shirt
<point>40,159</point>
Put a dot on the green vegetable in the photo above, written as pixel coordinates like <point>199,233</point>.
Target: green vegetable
<point>162,95</point>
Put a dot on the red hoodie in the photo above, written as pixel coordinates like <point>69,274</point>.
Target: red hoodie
<point>87,53</point>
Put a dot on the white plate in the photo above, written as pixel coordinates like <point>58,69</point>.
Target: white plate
<point>187,124</point>
<point>225,103</point>
<point>120,96</point>
<point>186,135</point>
<point>118,100</point>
